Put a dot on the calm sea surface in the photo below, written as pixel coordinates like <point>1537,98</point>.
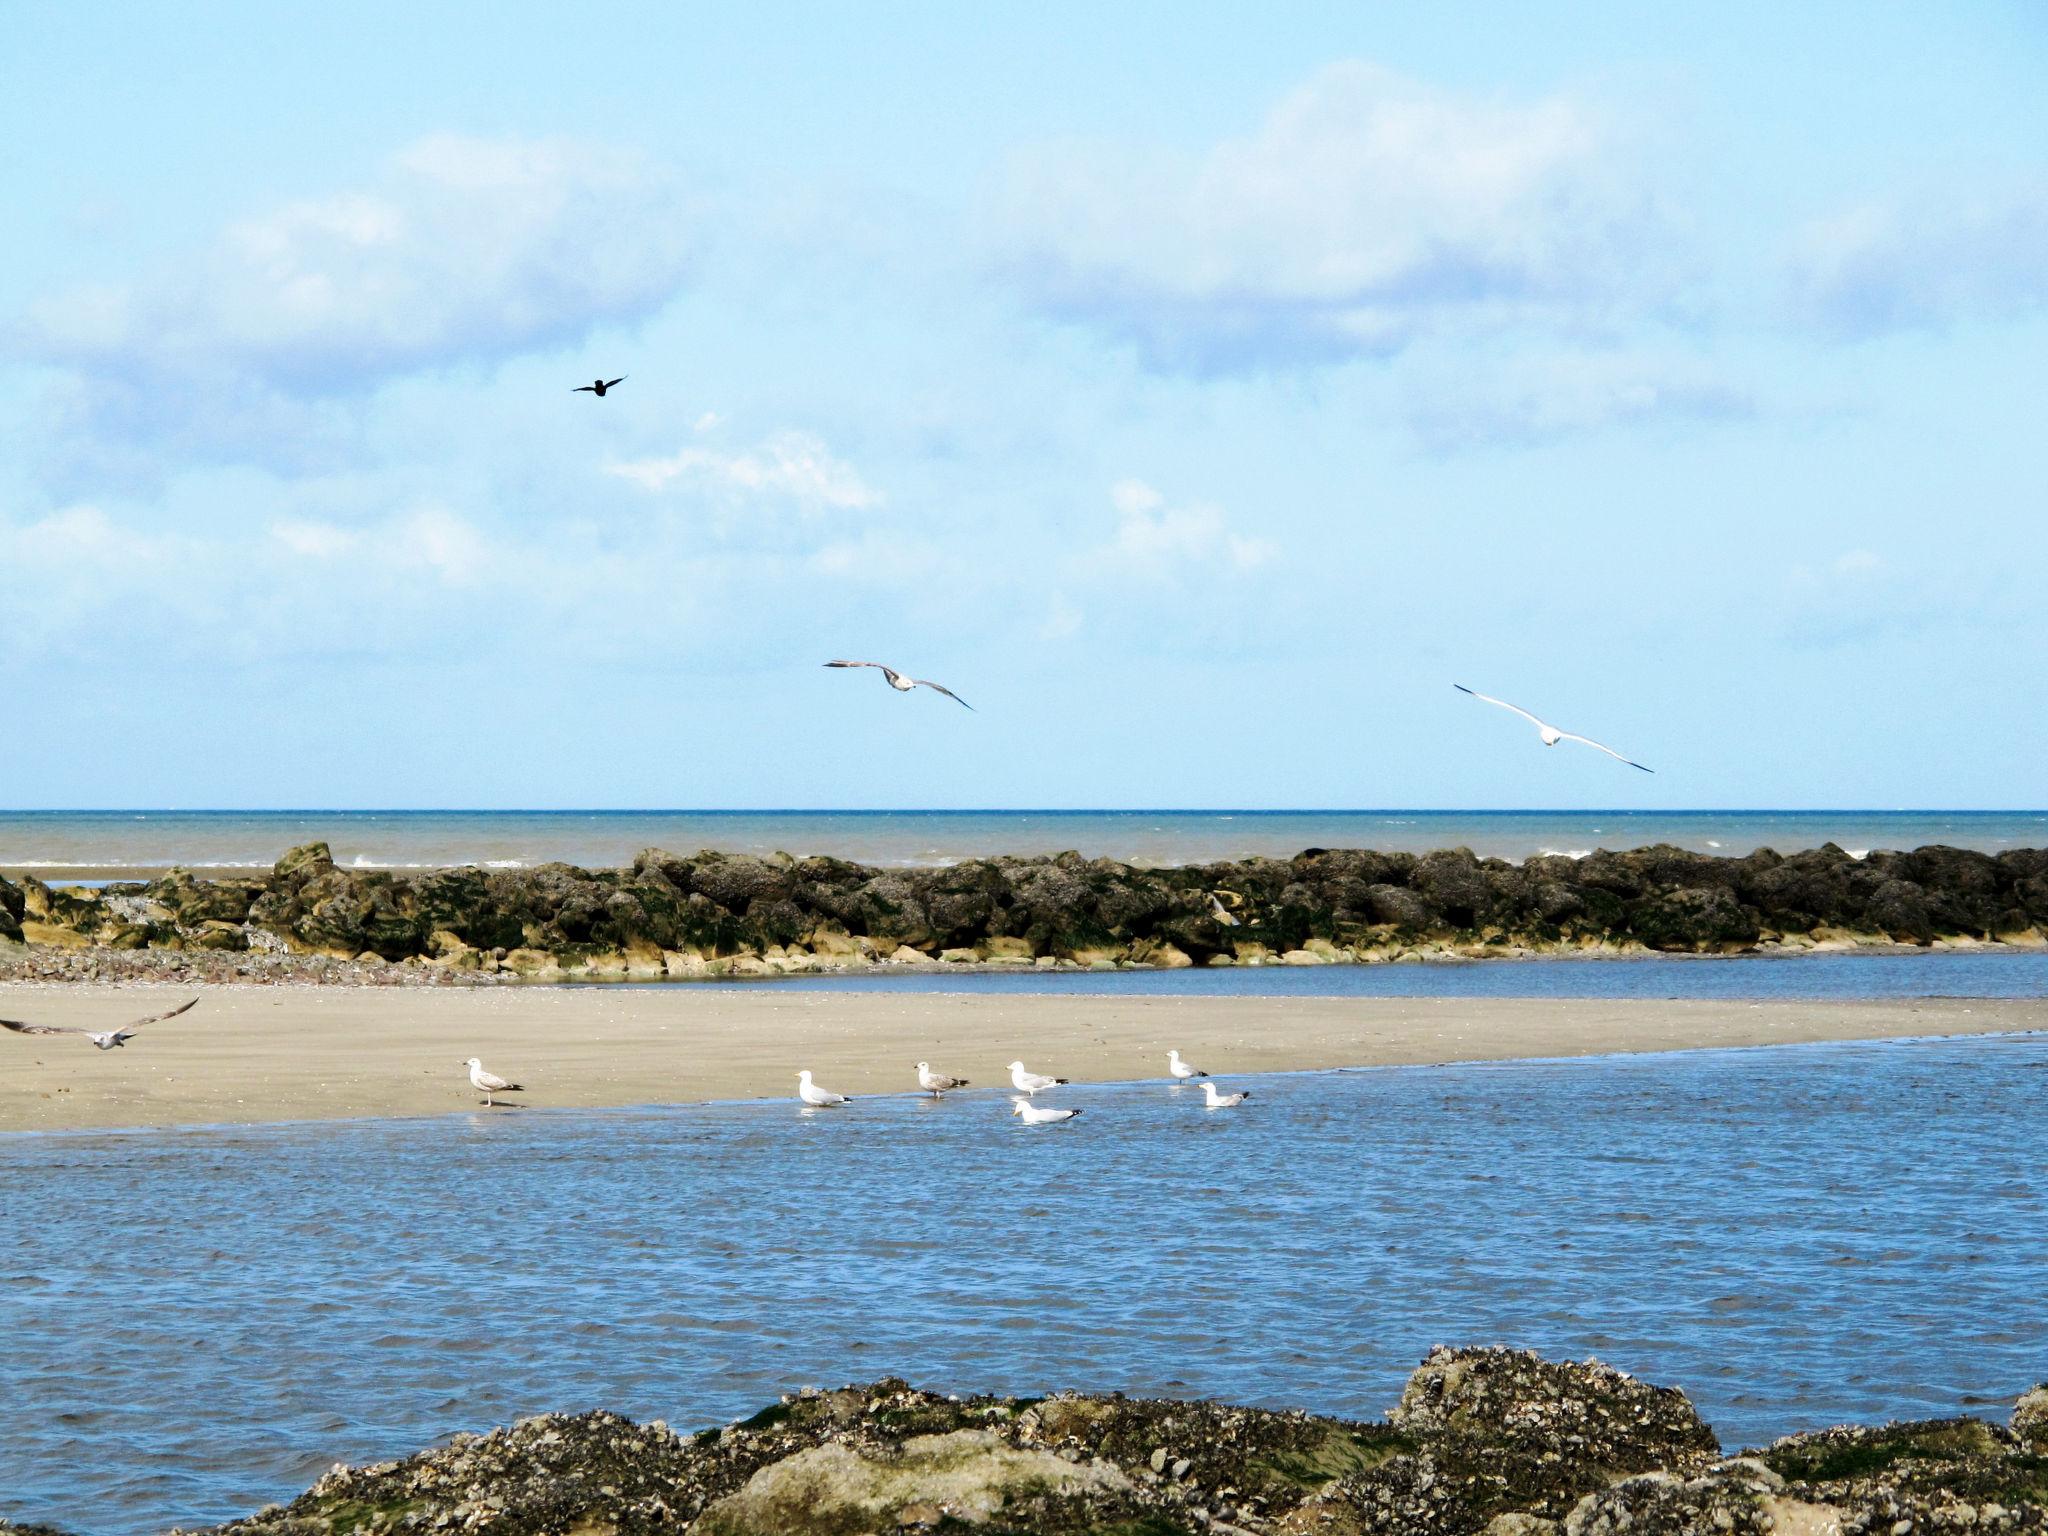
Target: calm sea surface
<point>193,1323</point>
<point>111,844</point>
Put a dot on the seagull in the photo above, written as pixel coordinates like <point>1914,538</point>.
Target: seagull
<point>1031,1082</point>
<point>904,684</point>
<point>1224,1100</point>
<point>105,1041</point>
<point>1033,1115</point>
<point>1551,734</point>
<point>488,1083</point>
<point>1221,913</point>
<point>816,1097</point>
<point>597,387</point>
<point>1181,1069</point>
<point>937,1084</point>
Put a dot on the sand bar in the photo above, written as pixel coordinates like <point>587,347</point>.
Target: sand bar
<point>306,1053</point>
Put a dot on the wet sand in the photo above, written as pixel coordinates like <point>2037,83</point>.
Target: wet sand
<point>307,1053</point>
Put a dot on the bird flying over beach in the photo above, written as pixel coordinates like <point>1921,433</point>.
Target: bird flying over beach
<point>597,386</point>
<point>105,1040</point>
<point>903,684</point>
<point>1182,1069</point>
<point>937,1084</point>
<point>488,1083</point>
<point>1218,1100</point>
<point>1033,1115</point>
<point>816,1097</point>
<point>1031,1082</point>
<point>1551,734</point>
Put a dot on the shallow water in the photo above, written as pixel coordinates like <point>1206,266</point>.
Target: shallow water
<point>135,843</point>
<point>193,1323</point>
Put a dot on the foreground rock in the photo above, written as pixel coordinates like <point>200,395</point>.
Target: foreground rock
<point>712,914</point>
<point>1484,1441</point>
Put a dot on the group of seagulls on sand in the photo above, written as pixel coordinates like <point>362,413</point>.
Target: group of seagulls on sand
<point>1028,1085</point>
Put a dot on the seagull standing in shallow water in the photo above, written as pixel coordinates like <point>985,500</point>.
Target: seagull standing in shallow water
<point>1031,1082</point>
<point>488,1083</point>
<point>1224,1100</point>
<point>1033,1115</point>
<point>937,1084</point>
<point>1551,734</point>
<point>105,1040</point>
<point>1181,1069</point>
<point>902,683</point>
<point>816,1097</point>
<point>597,387</point>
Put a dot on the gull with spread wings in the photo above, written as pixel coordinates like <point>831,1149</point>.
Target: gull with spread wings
<point>903,684</point>
<point>597,387</point>
<point>105,1040</point>
<point>1551,734</point>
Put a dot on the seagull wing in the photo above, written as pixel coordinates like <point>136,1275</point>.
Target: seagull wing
<point>1601,747</point>
<point>491,1082</point>
<point>608,383</point>
<point>586,389</point>
<point>1503,703</point>
<point>42,1029</point>
<point>158,1018</point>
<point>855,664</point>
<point>921,682</point>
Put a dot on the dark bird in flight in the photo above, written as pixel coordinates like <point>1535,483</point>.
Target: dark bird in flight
<point>597,386</point>
<point>903,684</point>
<point>105,1041</point>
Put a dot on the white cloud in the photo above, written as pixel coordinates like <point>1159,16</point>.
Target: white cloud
<point>1365,211</point>
<point>312,539</point>
<point>1924,262</point>
<point>1466,401</point>
<point>796,466</point>
<point>466,250</point>
<point>1156,540</point>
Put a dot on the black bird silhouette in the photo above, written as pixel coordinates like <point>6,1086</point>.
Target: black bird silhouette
<point>598,387</point>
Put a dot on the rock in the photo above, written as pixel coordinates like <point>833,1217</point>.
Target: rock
<point>304,863</point>
<point>2030,1416</point>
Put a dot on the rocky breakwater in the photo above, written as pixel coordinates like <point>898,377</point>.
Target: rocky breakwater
<point>1486,1442</point>
<point>716,914</point>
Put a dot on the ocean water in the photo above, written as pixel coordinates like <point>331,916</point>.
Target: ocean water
<point>193,1323</point>
<point>72,845</point>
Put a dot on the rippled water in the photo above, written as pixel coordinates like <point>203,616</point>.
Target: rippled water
<point>109,844</point>
<point>192,1323</point>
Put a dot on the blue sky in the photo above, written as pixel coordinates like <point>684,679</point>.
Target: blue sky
<point>1199,396</point>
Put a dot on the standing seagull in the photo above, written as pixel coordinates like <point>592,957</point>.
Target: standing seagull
<point>1181,1069</point>
<point>1224,1100</point>
<point>1033,1115</point>
<point>1551,734</point>
<point>1031,1082</point>
<point>597,387</point>
<point>105,1041</point>
<point>488,1083</point>
<point>937,1084</point>
<point>904,684</point>
<point>816,1097</point>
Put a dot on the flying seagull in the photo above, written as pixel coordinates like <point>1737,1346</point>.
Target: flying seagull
<point>1224,1100</point>
<point>1033,1115</point>
<point>1031,1082</point>
<point>1551,734</point>
<point>1220,912</point>
<point>1181,1069</point>
<point>597,387</point>
<point>904,684</point>
<point>937,1084</point>
<point>816,1097</point>
<point>488,1083</point>
<point>104,1040</point>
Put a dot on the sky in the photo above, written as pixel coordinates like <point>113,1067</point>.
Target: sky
<point>1198,391</point>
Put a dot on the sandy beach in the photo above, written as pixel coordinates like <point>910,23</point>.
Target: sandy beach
<point>250,1054</point>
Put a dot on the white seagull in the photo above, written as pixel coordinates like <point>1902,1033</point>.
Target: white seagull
<point>1224,1100</point>
<point>1031,1082</point>
<point>488,1083</point>
<point>816,1097</point>
<point>1033,1115</point>
<point>937,1084</point>
<point>903,684</point>
<point>1551,734</point>
<point>105,1040</point>
<point>1181,1069</point>
<point>1220,912</point>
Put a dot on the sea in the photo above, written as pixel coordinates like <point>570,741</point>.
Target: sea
<point>196,1322</point>
<point>135,844</point>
